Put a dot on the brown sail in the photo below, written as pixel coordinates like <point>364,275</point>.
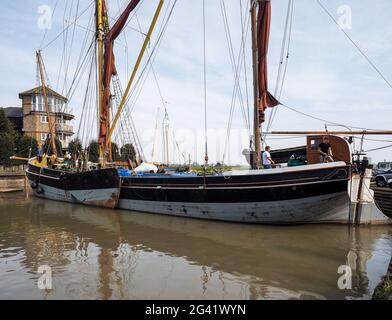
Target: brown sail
<point>265,98</point>
<point>109,67</point>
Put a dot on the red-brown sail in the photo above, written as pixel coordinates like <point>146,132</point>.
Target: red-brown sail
<point>265,98</point>
<point>109,67</point>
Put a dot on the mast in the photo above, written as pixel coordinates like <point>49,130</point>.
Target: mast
<point>256,126</point>
<point>50,122</point>
<point>165,126</point>
<point>106,37</point>
<point>100,35</point>
<point>261,23</point>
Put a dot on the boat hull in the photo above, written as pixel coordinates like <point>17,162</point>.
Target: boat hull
<point>282,196</point>
<point>295,211</point>
<point>94,188</point>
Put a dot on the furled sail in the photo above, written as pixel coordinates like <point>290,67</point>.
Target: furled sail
<point>109,67</point>
<point>265,98</point>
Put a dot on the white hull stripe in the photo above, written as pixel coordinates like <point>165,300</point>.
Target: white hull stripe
<point>229,187</point>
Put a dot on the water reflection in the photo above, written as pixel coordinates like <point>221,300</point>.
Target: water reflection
<point>109,254</point>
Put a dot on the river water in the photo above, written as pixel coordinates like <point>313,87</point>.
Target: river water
<point>112,254</point>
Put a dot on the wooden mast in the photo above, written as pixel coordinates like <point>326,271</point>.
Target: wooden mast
<point>100,35</point>
<point>50,122</point>
<point>256,124</point>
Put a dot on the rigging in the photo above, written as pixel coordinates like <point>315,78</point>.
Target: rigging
<point>371,63</point>
<point>205,85</point>
<point>283,63</point>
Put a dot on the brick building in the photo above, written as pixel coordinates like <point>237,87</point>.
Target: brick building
<point>35,119</point>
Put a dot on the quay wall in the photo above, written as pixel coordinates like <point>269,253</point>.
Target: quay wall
<point>12,178</point>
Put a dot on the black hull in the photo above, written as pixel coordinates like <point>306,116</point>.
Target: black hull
<point>96,188</point>
<point>270,196</point>
<point>242,188</point>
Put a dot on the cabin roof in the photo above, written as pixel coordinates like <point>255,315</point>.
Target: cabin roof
<point>49,91</point>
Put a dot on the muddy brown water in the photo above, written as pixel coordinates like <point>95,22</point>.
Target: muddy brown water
<point>112,254</point>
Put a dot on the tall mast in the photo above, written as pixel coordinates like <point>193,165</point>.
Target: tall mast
<point>100,35</point>
<point>50,122</point>
<point>261,23</point>
<point>256,125</point>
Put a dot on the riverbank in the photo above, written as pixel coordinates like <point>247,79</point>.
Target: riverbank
<point>12,178</point>
<point>384,289</point>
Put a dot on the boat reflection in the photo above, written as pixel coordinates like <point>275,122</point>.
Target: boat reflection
<point>111,254</point>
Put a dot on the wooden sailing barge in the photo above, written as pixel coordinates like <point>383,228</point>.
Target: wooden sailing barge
<point>99,187</point>
<point>304,194</point>
<point>312,193</point>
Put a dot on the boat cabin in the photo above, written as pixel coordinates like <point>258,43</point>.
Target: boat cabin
<point>309,153</point>
<point>340,149</point>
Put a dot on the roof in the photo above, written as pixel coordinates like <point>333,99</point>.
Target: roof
<point>49,91</point>
<point>13,112</point>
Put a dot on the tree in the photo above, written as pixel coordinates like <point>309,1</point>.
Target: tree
<point>23,146</point>
<point>115,152</point>
<point>6,139</point>
<point>75,148</point>
<point>128,152</point>
<point>47,147</point>
<point>93,151</point>
<point>5,123</point>
<point>6,148</point>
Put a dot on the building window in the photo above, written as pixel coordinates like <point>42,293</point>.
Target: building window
<point>44,119</point>
<point>41,105</point>
<point>44,136</point>
<point>58,104</point>
<point>50,103</point>
<point>34,103</point>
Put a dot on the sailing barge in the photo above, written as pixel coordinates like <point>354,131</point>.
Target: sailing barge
<point>311,193</point>
<point>95,188</point>
<point>99,187</point>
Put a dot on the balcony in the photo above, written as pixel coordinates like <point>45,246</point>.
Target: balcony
<point>64,128</point>
<point>65,115</point>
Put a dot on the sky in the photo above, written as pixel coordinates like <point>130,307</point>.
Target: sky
<point>327,76</point>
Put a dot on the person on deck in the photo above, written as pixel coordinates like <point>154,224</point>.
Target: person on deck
<point>325,151</point>
<point>40,154</point>
<point>267,161</point>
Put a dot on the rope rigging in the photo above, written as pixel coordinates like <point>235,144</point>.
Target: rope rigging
<point>370,62</point>
<point>131,100</point>
<point>163,101</point>
<point>140,82</point>
<point>243,42</point>
<point>205,84</point>
<point>46,30</point>
<point>327,121</point>
<point>288,28</point>
<point>237,68</point>
<point>42,48</point>
<point>283,63</point>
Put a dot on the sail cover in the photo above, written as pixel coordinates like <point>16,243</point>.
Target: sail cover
<point>109,67</point>
<point>265,98</point>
